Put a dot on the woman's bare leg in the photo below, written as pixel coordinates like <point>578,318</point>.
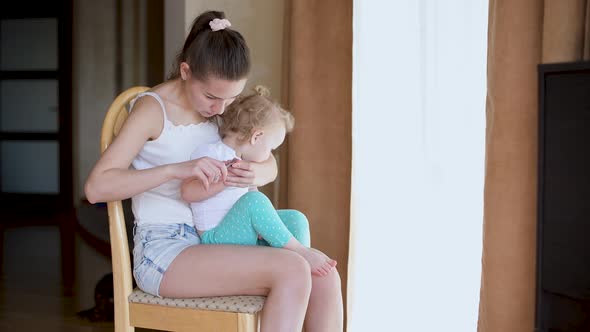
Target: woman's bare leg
<point>218,270</point>
<point>325,311</point>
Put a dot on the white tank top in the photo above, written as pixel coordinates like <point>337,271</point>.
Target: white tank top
<point>163,204</point>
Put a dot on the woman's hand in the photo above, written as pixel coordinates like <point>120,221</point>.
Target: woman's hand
<point>240,174</point>
<point>243,173</point>
<point>206,169</point>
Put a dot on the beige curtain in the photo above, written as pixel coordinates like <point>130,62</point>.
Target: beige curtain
<point>521,35</point>
<point>316,164</point>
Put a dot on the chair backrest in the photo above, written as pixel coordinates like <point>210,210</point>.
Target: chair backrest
<point>122,277</point>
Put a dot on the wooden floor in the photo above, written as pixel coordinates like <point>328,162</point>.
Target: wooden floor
<point>31,296</point>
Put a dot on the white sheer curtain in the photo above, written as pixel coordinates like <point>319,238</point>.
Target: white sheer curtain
<point>418,163</point>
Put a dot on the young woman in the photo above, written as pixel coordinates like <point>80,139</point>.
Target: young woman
<point>157,140</point>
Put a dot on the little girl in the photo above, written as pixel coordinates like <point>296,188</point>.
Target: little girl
<point>250,128</point>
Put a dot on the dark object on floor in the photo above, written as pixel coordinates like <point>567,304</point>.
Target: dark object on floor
<point>104,309</point>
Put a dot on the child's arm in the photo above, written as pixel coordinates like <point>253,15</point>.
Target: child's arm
<point>193,190</point>
<point>266,172</point>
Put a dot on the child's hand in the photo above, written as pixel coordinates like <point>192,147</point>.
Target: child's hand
<point>206,169</point>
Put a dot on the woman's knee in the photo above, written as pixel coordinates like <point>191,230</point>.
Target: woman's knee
<point>294,273</point>
<point>334,279</point>
<point>328,285</point>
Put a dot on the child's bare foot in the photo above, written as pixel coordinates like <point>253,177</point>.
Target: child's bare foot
<point>320,264</point>
<point>332,261</point>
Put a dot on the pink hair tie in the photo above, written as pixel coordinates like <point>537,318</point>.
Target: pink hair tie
<point>219,24</point>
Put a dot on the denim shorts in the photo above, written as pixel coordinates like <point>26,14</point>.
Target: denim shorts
<point>155,247</point>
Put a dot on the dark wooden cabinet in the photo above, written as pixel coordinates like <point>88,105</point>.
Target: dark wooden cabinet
<point>563,255</point>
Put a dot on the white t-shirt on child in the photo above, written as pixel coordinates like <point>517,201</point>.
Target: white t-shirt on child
<point>208,213</point>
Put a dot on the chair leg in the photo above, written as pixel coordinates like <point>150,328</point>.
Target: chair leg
<point>247,323</point>
<point>121,325</point>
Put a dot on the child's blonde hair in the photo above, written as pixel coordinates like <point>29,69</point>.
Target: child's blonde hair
<point>256,110</point>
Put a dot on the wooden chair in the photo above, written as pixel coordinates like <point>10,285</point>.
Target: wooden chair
<point>134,308</point>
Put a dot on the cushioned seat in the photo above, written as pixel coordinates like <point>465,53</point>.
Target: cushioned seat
<point>242,304</point>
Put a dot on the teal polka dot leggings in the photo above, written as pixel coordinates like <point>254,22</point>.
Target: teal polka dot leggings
<point>252,215</point>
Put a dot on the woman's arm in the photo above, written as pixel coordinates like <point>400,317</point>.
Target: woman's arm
<point>111,180</point>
